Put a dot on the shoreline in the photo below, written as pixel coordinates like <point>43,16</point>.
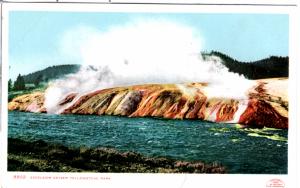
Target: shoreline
<point>40,156</point>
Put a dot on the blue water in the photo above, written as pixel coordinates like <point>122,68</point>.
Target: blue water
<point>189,140</point>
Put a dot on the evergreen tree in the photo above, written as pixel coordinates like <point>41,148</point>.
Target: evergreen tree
<point>19,83</point>
<point>9,85</point>
<point>38,80</point>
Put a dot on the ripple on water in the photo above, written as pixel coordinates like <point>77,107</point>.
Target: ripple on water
<point>239,150</point>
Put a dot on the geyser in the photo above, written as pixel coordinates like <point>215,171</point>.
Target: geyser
<point>140,52</point>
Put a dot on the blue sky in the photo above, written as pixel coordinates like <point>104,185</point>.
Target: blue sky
<point>35,37</point>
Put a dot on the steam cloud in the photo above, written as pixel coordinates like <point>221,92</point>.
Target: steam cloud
<point>145,51</point>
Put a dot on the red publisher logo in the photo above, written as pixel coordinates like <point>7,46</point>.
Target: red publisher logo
<point>275,183</point>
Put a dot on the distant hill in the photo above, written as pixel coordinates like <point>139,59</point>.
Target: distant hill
<point>51,73</point>
<point>271,67</point>
<point>274,66</point>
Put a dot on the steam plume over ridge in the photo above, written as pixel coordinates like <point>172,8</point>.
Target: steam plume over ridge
<point>145,51</point>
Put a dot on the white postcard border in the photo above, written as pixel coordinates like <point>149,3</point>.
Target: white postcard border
<point>8,179</point>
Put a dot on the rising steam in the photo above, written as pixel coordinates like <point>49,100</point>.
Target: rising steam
<point>147,51</point>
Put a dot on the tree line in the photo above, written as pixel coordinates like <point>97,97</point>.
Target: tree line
<point>271,67</point>
<point>50,73</point>
<point>274,66</point>
<point>19,84</point>
<point>45,75</point>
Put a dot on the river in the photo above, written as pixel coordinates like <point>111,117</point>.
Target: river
<point>244,151</point>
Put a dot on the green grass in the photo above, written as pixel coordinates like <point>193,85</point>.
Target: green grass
<point>14,94</point>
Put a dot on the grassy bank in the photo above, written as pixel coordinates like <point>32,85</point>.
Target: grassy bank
<point>14,94</point>
<point>44,157</point>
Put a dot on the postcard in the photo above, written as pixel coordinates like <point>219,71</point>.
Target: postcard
<point>209,2</point>
<point>145,95</point>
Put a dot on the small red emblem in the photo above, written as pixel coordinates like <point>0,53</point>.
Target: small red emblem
<point>275,183</point>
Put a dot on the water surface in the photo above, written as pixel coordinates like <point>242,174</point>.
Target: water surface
<point>239,150</point>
